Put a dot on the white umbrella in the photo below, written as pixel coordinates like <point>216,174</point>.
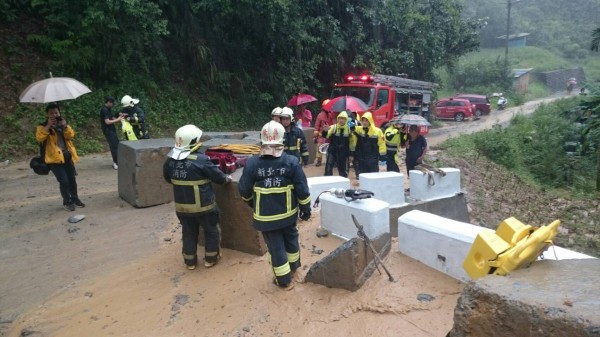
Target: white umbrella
<point>53,89</point>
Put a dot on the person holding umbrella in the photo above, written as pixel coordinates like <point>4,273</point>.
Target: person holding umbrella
<point>56,138</point>
<point>302,114</point>
<point>416,148</point>
<point>339,149</point>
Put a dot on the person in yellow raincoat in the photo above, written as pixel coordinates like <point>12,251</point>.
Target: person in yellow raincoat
<point>368,146</point>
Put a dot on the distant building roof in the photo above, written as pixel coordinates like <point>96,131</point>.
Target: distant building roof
<point>513,36</point>
<point>520,72</point>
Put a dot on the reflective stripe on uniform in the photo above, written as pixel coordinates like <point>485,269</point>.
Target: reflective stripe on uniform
<point>305,154</point>
<point>211,253</point>
<point>248,199</point>
<point>188,256</point>
<point>304,201</point>
<point>282,270</point>
<point>274,190</point>
<point>196,207</point>
<point>290,148</point>
<point>293,257</point>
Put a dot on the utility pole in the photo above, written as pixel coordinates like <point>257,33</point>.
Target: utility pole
<point>508,3</point>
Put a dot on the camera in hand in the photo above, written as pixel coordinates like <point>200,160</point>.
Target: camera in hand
<point>58,126</point>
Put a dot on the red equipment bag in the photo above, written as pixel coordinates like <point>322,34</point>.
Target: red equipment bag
<point>224,159</point>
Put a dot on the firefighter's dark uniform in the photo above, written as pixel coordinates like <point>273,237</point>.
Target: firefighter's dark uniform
<point>339,147</point>
<point>294,144</point>
<point>137,119</point>
<point>195,204</point>
<point>368,147</point>
<point>276,187</point>
<point>394,139</point>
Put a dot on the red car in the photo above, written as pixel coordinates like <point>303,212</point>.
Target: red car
<point>458,109</point>
<point>482,103</point>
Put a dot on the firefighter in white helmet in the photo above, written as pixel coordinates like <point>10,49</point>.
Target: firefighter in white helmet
<point>275,114</point>
<point>275,186</point>
<point>191,174</point>
<point>294,142</point>
<point>135,116</point>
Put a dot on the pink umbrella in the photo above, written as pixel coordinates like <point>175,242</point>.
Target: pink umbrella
<point>301,99</point>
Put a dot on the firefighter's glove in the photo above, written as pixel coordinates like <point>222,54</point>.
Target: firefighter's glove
<point>304,212</point>
<point>228,179</point>
<point>315,139</point>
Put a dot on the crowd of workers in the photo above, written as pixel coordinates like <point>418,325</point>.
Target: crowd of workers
<point>273,183</point>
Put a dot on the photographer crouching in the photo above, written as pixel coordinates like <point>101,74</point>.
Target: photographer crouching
<point>59,153</point>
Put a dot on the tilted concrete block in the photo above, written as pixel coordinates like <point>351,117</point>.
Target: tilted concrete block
<point>387,186</point>
<point>336,216</point>
<point>350,265</point>
<point>438,242</point>
<point>140,174</point>
<point>453,207</point>
<point>422,187</point>
<point>318,185</point>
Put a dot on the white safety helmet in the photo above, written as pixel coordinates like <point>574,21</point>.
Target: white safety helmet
<point>276,111</point>
<point>127,101</point>
<point>186,138</point>
<point>272,134</point>
<point>271,137</point>
<point>287,112</point>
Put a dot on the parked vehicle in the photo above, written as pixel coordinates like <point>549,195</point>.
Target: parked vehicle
<point>482,103</point>
<point>502,103</point>
<point>458,109</point>
<point>387,96</point>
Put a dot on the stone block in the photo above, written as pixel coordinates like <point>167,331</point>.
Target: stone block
<point>550,298</point>
<point>317,185</point>
<point>440,243</point>
<point>350,265</point>
<point>453,207</point>
<point>237,232</point>
<point>140,174</point>
<point>336,217</point>
<point>421,187</point>
<point>312,147</point>
<point>387,186</point>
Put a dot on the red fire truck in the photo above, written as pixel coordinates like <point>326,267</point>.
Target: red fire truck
<point>387,96</point>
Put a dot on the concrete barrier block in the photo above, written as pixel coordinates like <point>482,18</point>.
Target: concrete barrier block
<point>237,232</point>
<point>438,242</point>
<point>443,244</point>
<point>318,185</point>
<point>387,186</point>
<point>140,174</point>
<point>421,187</point>
<point>372,214</point>
<point>350,265</point>
<point>453,207</point>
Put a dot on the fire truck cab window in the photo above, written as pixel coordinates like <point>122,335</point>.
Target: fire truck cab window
<point>382,97</point>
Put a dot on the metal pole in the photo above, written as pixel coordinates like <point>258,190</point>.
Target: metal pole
<point>509,3</point>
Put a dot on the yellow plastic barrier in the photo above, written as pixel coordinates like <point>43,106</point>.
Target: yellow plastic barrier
<point>512,246</point>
